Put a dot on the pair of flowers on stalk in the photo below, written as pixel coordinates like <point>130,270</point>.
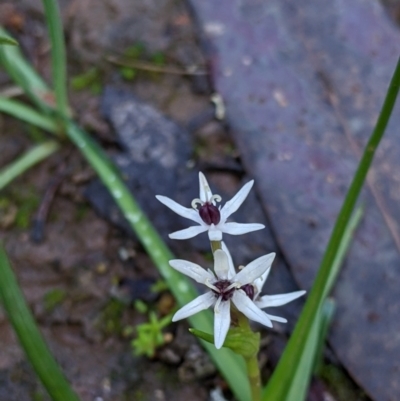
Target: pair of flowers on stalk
<point>225,285</point>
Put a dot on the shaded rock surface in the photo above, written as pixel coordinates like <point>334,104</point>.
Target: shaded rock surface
<point>302,90</point>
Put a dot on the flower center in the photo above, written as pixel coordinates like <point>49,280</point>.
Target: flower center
<point>225,289</point>
<point>209,213</point>
<point>249,290</point>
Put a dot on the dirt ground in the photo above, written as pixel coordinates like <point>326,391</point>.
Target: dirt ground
<point>70,278</point>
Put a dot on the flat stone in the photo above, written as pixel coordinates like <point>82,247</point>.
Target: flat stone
<point>302,89</point>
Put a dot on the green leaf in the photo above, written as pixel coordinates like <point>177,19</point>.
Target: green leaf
<point>85,80</point>
<point>297,391</point>
<point>58,58</point>
<point>25,76</point>
<point>26,161</point>
<point>7,40</point>
<point>27,114</point>
<point>241,341</point>
<point>311,354</point>
<point>328,310</point>
<point>29,336</point>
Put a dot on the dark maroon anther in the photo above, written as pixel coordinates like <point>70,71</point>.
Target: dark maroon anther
<point>249,290</point>
<point>224,291</point>
<point>209,213</point>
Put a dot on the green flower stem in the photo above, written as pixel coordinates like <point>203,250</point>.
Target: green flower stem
<point>58,58</point>
<point>29,336</point>
<point>279,384</point>
<point>251,360</point>
<point>26,161</point>
<point>215,245</point>
<point>253,373</point>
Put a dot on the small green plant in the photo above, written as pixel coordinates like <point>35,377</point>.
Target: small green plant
<point>110,318</point>
<point>150,335</point>
<point>90,79</point>
<point>53,298</point>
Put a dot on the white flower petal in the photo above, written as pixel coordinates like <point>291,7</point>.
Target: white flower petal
<point>249,309</point>
<point>189,232</point>
<point>267,301</point>
<point>232,271</point>
<point>198,304</point>
<point>192,270</point>
<point>205,191</point>
<point>221,265</point>
<point>239,228</point>
<point>277,318</point>
<point>222,322</point>
<point>188,213</point>
<point>259,282</point>
<point>255,269</point>
<point>214,234</point>
<point>232,205</point>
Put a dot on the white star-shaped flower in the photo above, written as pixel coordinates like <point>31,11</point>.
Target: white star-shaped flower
<point>210,217</point>
<point>225,286</point>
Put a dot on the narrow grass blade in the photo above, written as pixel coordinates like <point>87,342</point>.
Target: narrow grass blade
<point>26,161</point>
<point>328,310</point>
<point>29,336</point>
<point>277,389</point>
<point>58,58</point>
<point>24,75</point>
<point>311,354</point>
<point>344,245</point>
<point>7,40</point>
<point>28,114</point>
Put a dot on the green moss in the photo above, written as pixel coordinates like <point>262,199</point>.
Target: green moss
<point>341,385</point>
<point>36,134</point>
<point>158,59</point>
<point>110,318</point>
<point>26,199</point>
<point>81,212</point>
<point>135,51</point>
<point>53,298</point>
<point>90,79</point>
<point>128,73</point>
<point>159,286</point>
<point>138,395</point>
<point>39,396</point>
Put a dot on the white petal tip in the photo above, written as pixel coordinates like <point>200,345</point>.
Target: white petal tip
<point>172,236</point>
<point>174,318</point>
